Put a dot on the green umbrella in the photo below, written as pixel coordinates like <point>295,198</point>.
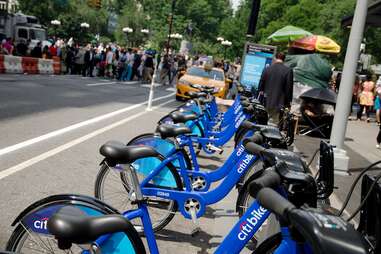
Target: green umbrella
<point>288,33</point>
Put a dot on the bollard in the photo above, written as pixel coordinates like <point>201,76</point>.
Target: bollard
<point>150,97</point>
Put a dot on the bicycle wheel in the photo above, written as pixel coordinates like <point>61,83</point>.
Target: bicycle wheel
<point>31,235</point>
<point>268,228</point>
<point>113,187</point>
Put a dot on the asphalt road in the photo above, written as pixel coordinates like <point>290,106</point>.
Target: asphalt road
<point>51,129</point>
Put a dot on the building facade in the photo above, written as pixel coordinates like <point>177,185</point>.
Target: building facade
<point>11,4</point>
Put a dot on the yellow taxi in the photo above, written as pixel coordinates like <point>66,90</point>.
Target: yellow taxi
<point>197,75</point>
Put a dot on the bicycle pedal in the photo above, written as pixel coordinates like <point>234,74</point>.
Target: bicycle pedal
<point>215,149</point>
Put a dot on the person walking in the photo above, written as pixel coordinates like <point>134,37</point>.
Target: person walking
<point>377,105</point>
<point>37,51</point>
<point>89,61</point>
<point>165,70</point>
<point>366,98</point>
<point>136,65</point>
<point>276,85</point>
<point>109,62</point>
<point>148,68</point>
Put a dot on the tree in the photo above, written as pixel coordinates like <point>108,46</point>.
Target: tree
<point>45,10</point>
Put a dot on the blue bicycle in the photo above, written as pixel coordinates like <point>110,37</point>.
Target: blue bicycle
<point>213,129</point>
<point>77,224</point>
<point>171,172</point>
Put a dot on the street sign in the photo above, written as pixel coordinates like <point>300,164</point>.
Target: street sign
<point>255,59</point>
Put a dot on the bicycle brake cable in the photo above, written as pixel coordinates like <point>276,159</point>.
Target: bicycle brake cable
<point>354,185</point>
<point>366,197</point>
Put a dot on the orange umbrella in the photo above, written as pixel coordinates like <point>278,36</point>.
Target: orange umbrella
<point>317,43</point>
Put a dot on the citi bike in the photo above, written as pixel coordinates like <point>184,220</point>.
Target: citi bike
<point>85,225</point>
<point>112,185</point>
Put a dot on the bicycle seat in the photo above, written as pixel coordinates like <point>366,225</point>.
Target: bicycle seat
<point>269,132</point>
<point>171,131</point>
<point>327,233</point>
<point>182,117</point>
<point>195,95</point>
<point>70,225</point>
<point>119,153</point>
<point>204,101</point>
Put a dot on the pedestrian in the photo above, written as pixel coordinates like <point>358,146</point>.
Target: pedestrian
<point>148,68</point>
<point>355,93</point>
<point>276,85</point>
<point>377,104</point>
<point>136,65</point>
<point>109,62</point>
<point>22,48</point>
<point>46,52</point>
<point>130,63</point>
<point>366,98</point>
<point>8,46</point>
<point>53,49</point>
<point>88,66</point>
<point>121,63</point>
<point>37,51</point>
<point>165,70</point>
<point>79,59</point>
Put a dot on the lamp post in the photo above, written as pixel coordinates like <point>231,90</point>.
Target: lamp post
<point>55,23</point>
<point>176,36</point>
<point>84,26</point>
<point>126,31</point>
<point>145,33</point>
<point>220,39</point>
<point>226,44</point>
<point>170,25</point>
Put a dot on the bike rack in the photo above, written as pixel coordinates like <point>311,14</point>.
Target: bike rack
<point>370,215</point>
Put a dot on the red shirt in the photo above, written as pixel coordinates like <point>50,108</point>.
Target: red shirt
<point>53,51</point>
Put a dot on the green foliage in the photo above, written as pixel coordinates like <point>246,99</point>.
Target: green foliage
<point>209,19</point>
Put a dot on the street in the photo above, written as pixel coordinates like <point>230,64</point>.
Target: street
<point>51,129</point>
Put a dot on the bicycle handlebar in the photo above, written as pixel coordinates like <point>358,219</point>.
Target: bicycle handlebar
<point>257,138</point>
<point>253,148</point>
<point>273,201</point>
<point>269,178</point>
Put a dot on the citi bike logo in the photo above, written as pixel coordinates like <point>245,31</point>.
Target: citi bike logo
<point>244,163</point>
<point>237,109</point>
<point>41,224</point>
<point>241,149</point>
<point>239,122</point>
<point>249,224</point>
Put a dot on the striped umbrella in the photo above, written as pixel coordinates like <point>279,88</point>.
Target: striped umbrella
<point>317,43</point>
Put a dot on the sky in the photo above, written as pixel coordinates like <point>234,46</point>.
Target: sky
<point>235,3</point>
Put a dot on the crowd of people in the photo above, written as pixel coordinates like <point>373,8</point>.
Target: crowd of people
<point>367,96</point>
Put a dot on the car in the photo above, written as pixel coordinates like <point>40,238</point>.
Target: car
<point>205,76</point>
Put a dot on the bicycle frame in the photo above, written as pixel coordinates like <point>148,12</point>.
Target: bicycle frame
<point>241,162</point>
<point>236,240</point>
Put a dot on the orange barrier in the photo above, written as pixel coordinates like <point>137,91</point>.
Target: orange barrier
<point>56,65</point>
<point>30,65</point>
<point>2,67</point>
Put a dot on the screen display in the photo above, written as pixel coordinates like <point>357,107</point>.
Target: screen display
<point>256,59</point>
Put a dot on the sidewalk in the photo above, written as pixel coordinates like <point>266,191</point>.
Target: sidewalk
<point>360,145</point>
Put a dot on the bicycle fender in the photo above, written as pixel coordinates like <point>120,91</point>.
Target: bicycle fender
<point>62,200</point>
<point>244,187</point>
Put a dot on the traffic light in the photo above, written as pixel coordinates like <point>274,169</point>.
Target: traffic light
<point>97,4</point>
